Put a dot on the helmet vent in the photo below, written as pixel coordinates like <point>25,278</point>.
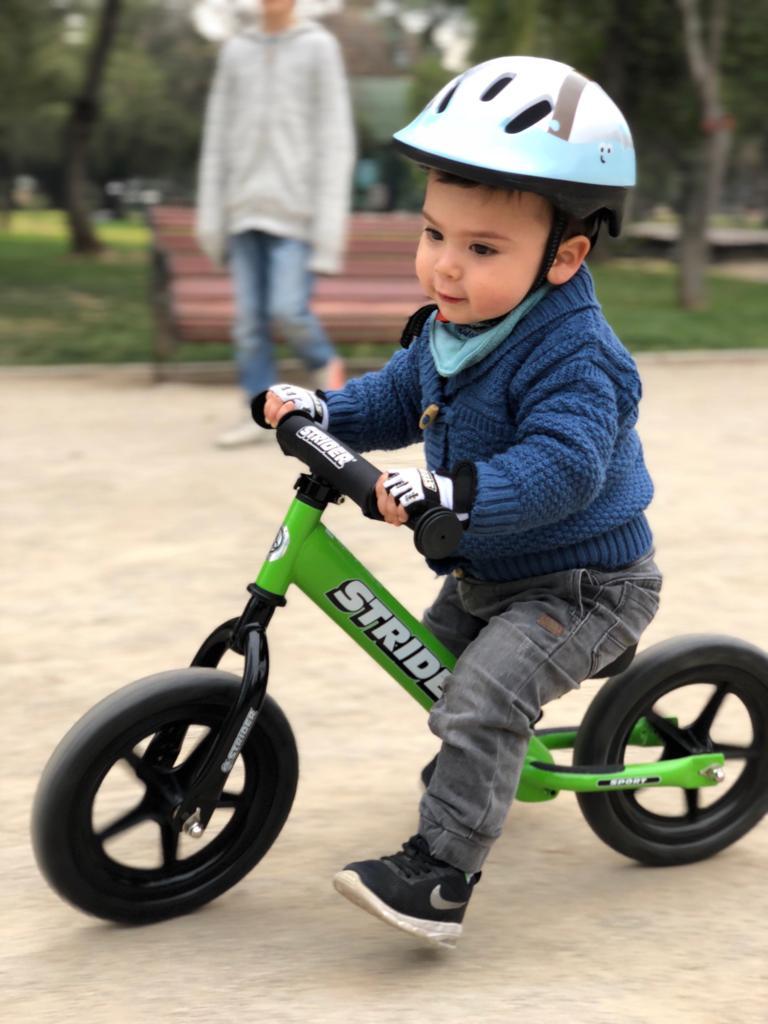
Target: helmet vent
<point>447,98</point>
<point>495,88</point>
<point>529,117</point>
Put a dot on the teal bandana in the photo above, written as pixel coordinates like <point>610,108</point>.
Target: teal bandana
<point>454,347</point>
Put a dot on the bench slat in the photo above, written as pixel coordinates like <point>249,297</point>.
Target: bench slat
<point>195,264</point>
<point>404,292</point>
<point>368,303</point>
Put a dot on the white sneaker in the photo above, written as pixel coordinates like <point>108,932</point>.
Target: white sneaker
<point>244,433</point>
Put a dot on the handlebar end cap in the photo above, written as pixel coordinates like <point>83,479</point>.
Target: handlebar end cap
<point>438,533</point>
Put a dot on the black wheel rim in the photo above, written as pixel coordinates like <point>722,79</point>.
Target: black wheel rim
<point>154,750</point>
<point>704,812</point>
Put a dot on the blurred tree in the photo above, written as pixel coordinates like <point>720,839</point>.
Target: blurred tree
<point>153,88</point>
<point>641,54</point>
<point>703,34</point>
<point>151,95</point>
<point>503,27</point>
<point>84,112</point>
<point>35,72</point>
<point>745,87</point>
<point>154,96</point>
<point>636,53</point>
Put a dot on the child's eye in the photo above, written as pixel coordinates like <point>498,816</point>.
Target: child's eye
<point>482,250</point>
<point>434,234</point>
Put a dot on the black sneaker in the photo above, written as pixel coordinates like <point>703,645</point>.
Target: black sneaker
<point>411,890</point>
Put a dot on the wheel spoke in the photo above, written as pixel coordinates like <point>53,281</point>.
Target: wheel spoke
<point>739,753</point>
<point>132,818</point>
<point>669,732</point>
<point>703,724</point>
<point>692,804</point>
<point>228,799</point>
<point>165,745</point>
<point>170,843</point>
<point>143,771</point>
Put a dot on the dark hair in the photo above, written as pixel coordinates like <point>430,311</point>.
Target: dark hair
<point>588,226</point>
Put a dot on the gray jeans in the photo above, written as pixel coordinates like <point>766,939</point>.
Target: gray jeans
<point>519,645</point>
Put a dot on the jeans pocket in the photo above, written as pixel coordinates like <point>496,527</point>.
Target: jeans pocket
<point>642,596</point>
<point>629,608</point>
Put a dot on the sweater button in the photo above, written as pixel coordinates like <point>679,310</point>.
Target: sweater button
<point>429,416</point>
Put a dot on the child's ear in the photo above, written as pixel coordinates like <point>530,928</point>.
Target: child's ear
<point>570,256</point>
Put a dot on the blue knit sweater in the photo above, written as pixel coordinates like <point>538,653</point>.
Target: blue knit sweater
<point>548,419</point>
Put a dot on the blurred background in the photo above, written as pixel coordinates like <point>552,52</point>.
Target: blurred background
<point>101,117</point>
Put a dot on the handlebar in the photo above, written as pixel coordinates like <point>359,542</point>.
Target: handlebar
<point>437,531</point>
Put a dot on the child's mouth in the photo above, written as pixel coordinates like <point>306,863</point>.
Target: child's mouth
<point>448,298</point>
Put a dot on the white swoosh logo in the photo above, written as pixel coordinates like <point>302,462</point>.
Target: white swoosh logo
<point>439,903</point>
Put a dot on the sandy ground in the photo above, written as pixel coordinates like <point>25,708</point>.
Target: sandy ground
<point>126,537</point>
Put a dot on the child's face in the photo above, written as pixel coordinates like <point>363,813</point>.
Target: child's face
<point>276,8</point>
<point>480,250</point>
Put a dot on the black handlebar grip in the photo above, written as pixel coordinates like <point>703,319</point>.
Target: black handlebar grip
<point>437,532</point>
<point>342,467</point>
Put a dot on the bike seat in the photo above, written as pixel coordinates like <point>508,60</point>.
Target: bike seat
<point>619,665</point>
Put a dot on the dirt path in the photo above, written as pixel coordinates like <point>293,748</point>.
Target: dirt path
<point>126,537</point>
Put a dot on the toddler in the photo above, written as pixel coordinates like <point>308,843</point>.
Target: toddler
<point>527,403</point>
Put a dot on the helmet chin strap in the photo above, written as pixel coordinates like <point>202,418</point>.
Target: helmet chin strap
<point>556,232</point>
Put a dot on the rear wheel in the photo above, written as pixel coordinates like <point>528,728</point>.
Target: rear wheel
<point>103,826</point>
<point>697,694</point>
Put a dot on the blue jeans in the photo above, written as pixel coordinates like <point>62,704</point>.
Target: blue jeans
<point>272,290</point>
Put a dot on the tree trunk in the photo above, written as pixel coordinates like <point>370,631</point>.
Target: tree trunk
<point>6,191</point>
<point>82,118</point>
<point>705,181</point>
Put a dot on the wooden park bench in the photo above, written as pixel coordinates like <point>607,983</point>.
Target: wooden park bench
<point>366,305</point>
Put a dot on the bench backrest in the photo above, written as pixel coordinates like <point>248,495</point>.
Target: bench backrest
<point>378,244</point>
<point>368,303</point>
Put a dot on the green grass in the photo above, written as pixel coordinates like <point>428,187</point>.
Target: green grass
<point>641,306</point>
<point>59,308</point>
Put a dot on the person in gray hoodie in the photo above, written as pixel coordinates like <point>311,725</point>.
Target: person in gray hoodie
<point>274,191</point>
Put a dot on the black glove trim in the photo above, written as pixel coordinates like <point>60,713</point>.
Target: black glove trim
<point>257,409</point>
<point>464,476</point>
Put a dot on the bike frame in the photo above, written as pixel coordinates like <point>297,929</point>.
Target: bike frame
<point>305,553</point>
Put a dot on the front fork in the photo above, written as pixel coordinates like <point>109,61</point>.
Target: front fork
<point>247,636</point>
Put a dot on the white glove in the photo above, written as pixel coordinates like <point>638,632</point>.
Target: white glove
<point>305,401</point>
<point>418,487</point>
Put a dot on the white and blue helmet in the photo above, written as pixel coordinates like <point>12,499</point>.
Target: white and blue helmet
<point>532,124</point>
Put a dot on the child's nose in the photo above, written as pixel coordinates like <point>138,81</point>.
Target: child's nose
<point>447,265</point>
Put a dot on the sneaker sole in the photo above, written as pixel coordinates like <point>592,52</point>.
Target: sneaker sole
<point>444,934</point>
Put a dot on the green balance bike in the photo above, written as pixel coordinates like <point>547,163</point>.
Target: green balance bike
<point>170,790</point>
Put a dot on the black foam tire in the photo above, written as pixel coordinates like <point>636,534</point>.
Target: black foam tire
<point>621,820</point>
<point>72,856</point>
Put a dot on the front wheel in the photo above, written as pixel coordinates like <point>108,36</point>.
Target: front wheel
<point>102,826</point>
<point>690,695</point>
